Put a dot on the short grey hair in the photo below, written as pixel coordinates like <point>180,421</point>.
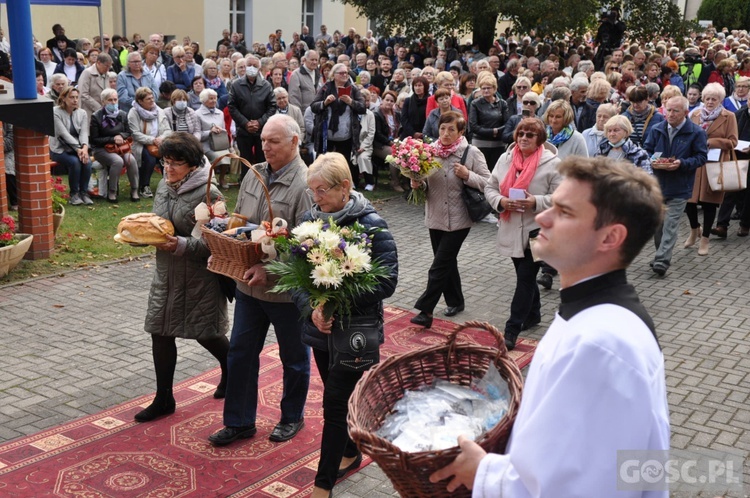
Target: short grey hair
<point>57,77</point>
<point>280,91</point>
<point>714,89</point>
<point>207,94</point>
<point>106,59</point>
<point>288,123</point>
<point>107,92</point>
<point>578,83</point>
<point>584,66</point>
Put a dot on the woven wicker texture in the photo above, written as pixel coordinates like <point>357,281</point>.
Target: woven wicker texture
<point>230,256</point>
<point>380,388</point>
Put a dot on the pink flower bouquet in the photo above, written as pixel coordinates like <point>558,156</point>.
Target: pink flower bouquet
<point>414,159</point>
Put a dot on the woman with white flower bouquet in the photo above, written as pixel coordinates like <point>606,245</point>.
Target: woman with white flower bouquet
<point>446,215</point>
<point>354,258</point>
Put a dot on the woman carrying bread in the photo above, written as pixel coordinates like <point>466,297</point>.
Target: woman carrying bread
<point>186,299</point>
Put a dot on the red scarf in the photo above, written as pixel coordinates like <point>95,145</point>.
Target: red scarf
<point>520,174</point>
<point>443,151</point>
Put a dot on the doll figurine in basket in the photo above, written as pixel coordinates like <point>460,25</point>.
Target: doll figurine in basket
<point>186,300</point>
<point>596,384</point>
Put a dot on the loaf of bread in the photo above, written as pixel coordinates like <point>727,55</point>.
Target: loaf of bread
<point>144,228</point>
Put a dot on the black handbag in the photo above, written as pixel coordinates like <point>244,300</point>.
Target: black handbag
<point>476,202</point>
<point>354,343</point>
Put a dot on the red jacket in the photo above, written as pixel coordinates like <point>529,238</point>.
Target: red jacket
<point>456,101</point>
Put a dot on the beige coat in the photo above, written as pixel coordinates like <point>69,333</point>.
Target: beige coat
<point>445,210</point>
<point>91,84</point>
<point>513,235</point>
<point>139,138</point>
<point>722,134</point>
<point>289,202</point>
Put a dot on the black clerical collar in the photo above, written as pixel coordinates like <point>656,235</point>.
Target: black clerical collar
<point>609,288</point>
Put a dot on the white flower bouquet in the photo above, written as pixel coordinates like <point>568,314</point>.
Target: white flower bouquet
<point>332,264</point>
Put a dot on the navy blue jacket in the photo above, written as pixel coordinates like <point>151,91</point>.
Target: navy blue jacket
<point>689,146</point>
<point>383,250</point>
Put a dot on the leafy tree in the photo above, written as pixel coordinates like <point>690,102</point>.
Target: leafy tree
<point>732,14</point>
<point>653,18</point>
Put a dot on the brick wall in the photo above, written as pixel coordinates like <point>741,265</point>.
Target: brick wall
<point>3,191</point>
<point>34,198</point>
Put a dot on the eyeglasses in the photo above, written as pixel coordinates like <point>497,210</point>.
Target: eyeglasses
<point>529,102</point>
<point>171,164</point>
<point>341,72</point>
<point>526,134</point>
<point>487,88</point>
<point>521,87</point>
<point>742,86</point>
<point>614,68</point>
<point>319,192</point>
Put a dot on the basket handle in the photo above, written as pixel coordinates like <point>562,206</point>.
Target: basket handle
<point>250,167</point>
<point>475,324</point>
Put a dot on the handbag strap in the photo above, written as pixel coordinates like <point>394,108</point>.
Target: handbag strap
<point>465,155</point>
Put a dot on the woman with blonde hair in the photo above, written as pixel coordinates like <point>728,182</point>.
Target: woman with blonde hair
<point>666,94</point>
<point>596,134</point>
<point>720,126</point>
<point>520,88</point>
<point>444,79</point>
<point>738,99</point>
<point>487,117</point>
<point>69,146</point>
<point>560,131</point>
<point>617,144</point>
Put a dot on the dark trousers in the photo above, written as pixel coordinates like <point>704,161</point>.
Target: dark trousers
<point>11,189</point>
<point>526,305</point>
<point>443,277</point>
<point>345,149</point>
<point>145,170</point>
<point>709,214</point>
<point>252,317</point>
<point>251,149</point>
<point>164,351</point>
<point>491,155</point>
<point>731,199</point>
<point>79,174</point>
<point>335,442</point>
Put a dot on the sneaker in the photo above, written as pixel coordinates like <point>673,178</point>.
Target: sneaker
<point>490,218</point>
<point>146,192</point>
<point>87,200</point>
<point>75,200</point>
<point>659,268</point>
<point>545,280</point>
<point>369,187</point>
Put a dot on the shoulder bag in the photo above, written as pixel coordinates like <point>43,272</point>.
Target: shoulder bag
<point>476,202</point>
<point>122,149</point>
<point>152,149</point>
<point>354,343</point>
<point>727,176</point>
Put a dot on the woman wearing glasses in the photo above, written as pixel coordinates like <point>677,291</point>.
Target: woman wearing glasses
<point>330,186</point>
<point>735,101</point>
<point>521,87</point>
<point>487,117</point>
<point>520,187</point>
<point>149,126</point>
<point>531,103</point>
<point>186,299</point>
<point>337,107</point>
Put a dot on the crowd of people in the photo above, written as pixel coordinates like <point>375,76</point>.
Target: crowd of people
<point>501,122</point>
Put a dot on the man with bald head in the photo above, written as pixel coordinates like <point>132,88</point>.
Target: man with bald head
<point>303,83</point>
<point>251,104</point>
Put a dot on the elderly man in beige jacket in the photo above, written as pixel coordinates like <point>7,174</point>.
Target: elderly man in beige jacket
<point>91,83</point>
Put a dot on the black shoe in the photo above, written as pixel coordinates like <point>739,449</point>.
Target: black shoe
<point>659,269</point>
<point>221,390</point>
<point>510,341</point>
<point>453,310</point>
<point>231,434</point>
<point>545,280</point>
<point>423,319</point>
<point>157,409</point>
<point>285,432</point>
<point>530,323</point>
<point>353,466</point>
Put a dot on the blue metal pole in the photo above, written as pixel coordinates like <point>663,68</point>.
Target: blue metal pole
<point>21,49</point>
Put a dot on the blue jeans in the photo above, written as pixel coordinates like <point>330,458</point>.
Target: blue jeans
<point>252,318</point>
<point>666,235</point>
<point>79,174</point>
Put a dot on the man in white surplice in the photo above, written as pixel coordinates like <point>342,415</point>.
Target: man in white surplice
<point>596,384</point>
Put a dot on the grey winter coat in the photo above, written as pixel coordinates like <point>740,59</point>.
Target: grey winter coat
<point>185,298</point>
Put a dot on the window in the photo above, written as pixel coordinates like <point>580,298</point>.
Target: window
<point>237,16</point>
<point>308,15</point>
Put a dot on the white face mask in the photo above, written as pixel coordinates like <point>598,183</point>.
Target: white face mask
<point>180,105</point>
<point>252,71</point>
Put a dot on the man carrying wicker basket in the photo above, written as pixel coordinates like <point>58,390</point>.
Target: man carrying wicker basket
<point>596,385</point>
<point>256,308</point>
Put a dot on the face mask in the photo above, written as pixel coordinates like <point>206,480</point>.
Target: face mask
<point>180,105</point>
<point>618,144</point>
<point>252,71</point>
<point>111,108</point>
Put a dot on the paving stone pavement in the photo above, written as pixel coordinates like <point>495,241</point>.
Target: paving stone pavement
<point>73,345</point>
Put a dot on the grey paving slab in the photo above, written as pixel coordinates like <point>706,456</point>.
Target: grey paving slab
<point>72,345</point>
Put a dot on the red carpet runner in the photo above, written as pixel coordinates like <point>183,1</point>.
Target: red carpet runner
<point>108,455</point>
